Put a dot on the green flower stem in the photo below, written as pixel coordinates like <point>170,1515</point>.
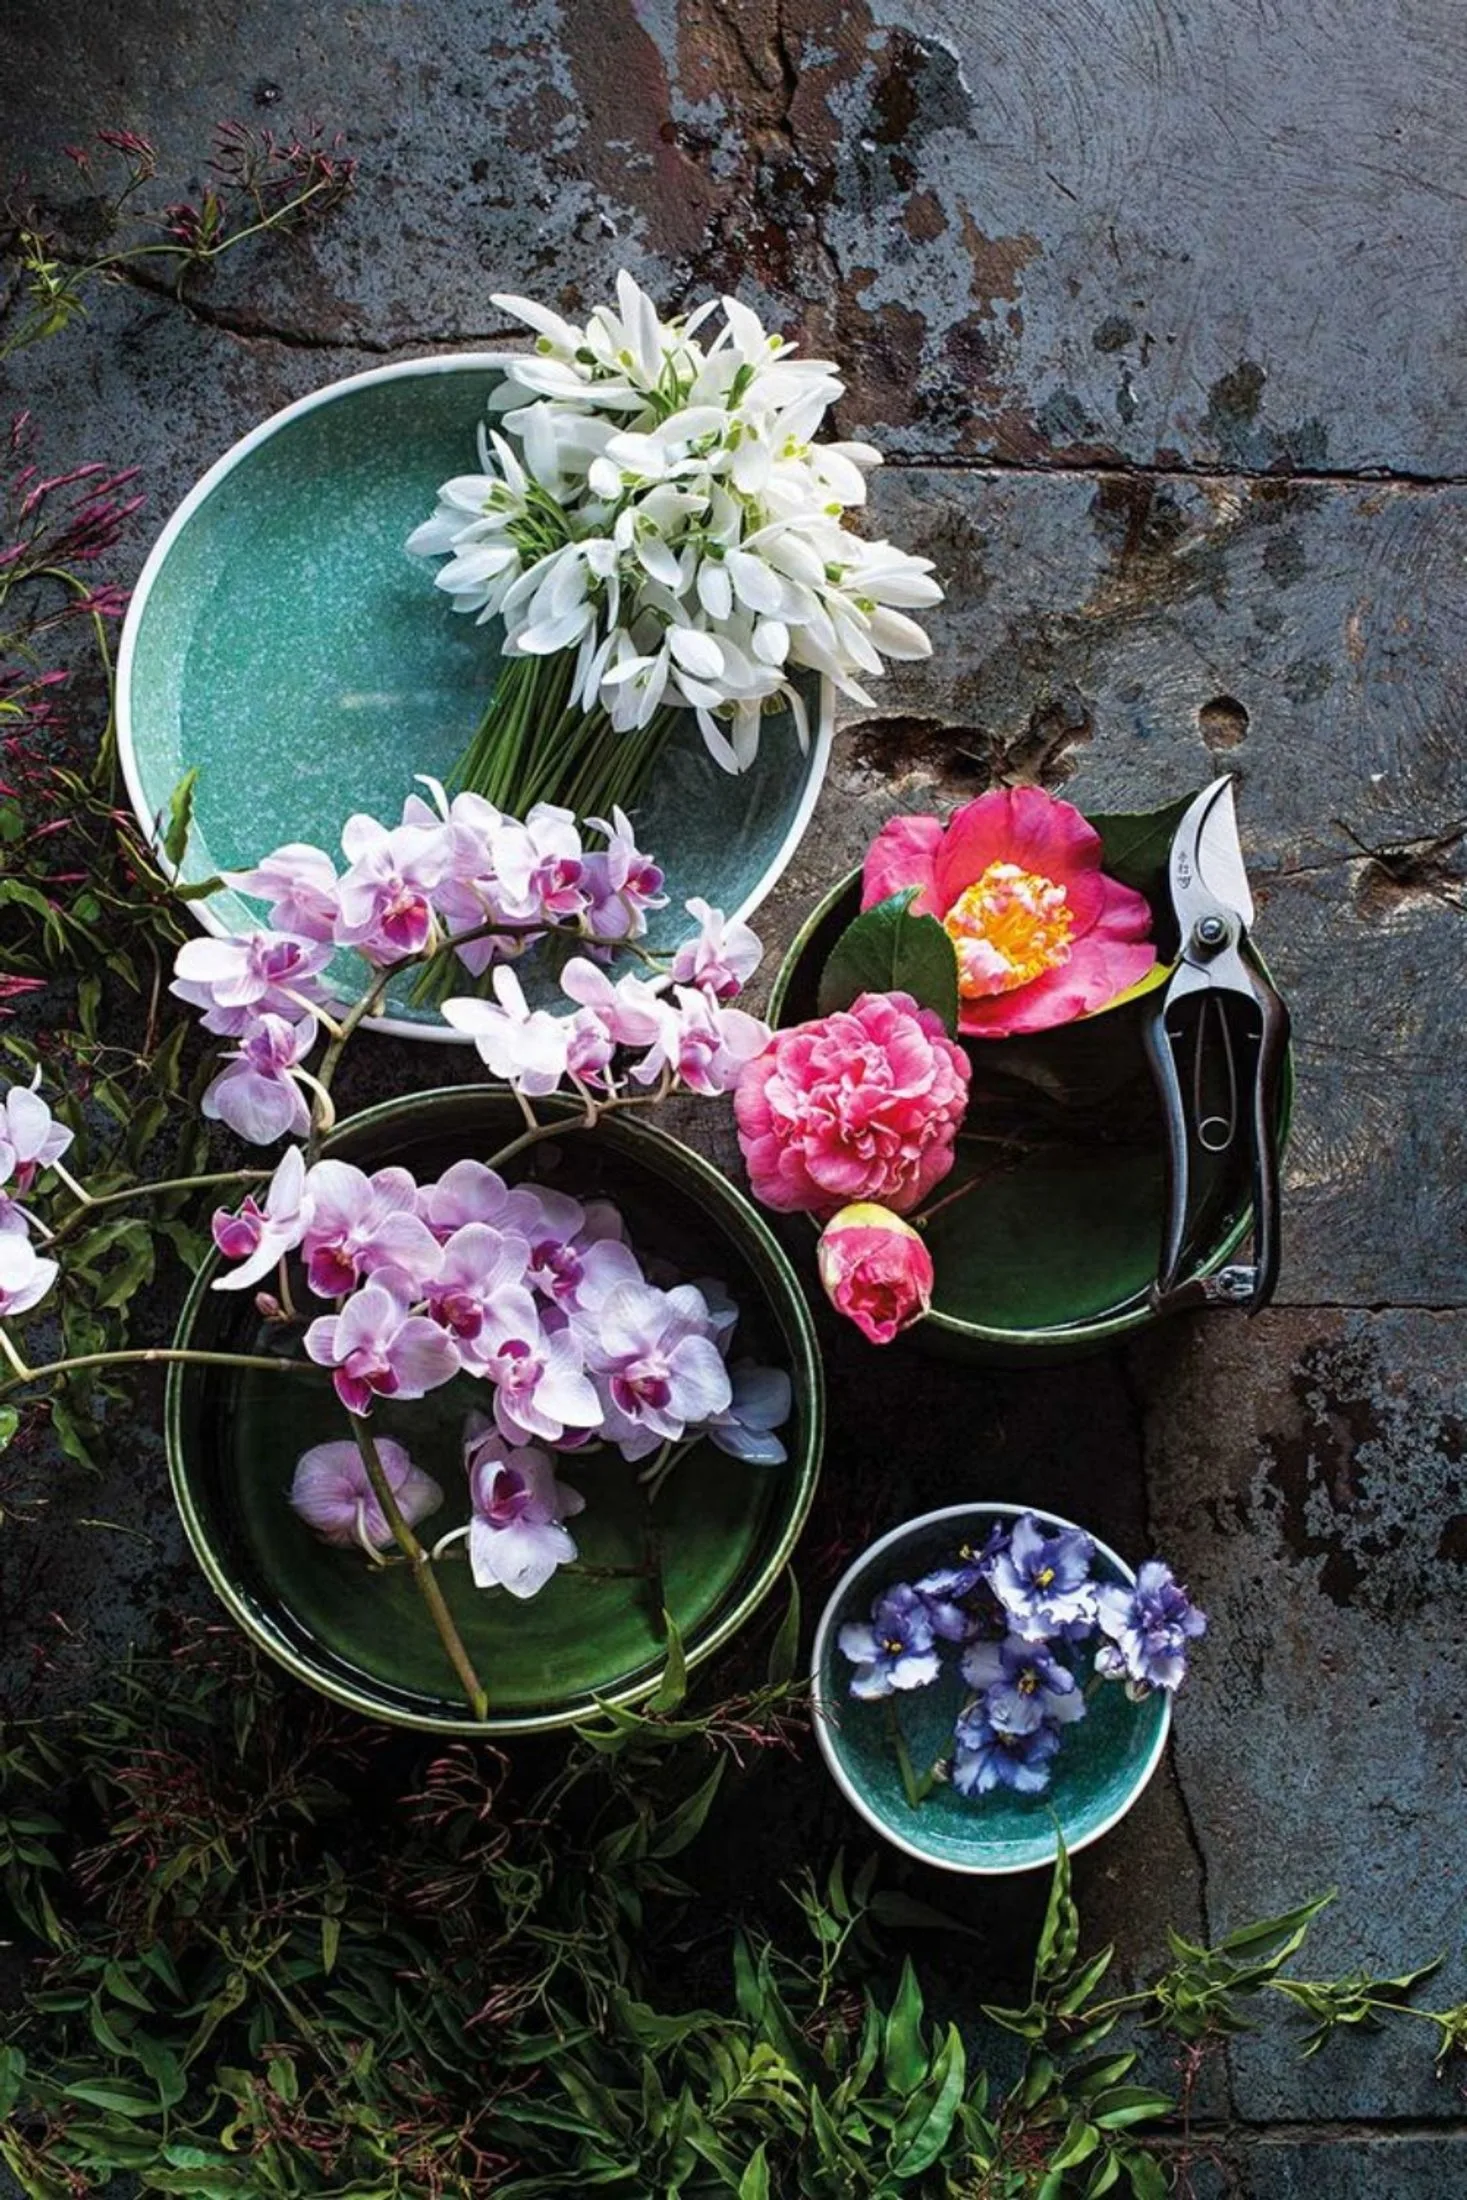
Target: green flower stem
<point>144,1355</point>
<point>93,1200</point>
<point>917,1790</point>
<point>422,1566</point>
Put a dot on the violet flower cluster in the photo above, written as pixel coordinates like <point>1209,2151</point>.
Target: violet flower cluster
<point>464,875</point>
<point>533,1294</point>
<point>1016,1611</point>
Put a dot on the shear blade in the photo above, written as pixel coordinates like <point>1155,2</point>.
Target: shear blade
<point>1207,851</point>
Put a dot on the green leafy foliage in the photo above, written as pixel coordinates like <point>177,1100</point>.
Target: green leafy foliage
<point>888,950</point>
<point>268,1952</point>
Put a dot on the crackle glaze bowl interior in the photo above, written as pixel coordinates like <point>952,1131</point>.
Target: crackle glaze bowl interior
<point>1103,1763</point>
<point>725,1529</point>
<point>282,640</point>
<point>1054,1255</point>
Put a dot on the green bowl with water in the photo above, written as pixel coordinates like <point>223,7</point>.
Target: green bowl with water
<point>1103,1763</point>
<point>725,1529</point>
<point>282,641</point>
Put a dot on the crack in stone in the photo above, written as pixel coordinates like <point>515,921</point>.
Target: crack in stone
<point>1367,477</point>
<point>252,328</point>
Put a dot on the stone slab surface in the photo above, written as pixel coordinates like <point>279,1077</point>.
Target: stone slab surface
<point>1135,297</point>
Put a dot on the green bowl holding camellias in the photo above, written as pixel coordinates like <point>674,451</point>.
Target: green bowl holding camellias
<point>1028,946</point>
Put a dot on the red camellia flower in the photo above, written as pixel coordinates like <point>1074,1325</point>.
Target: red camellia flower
<point>864,1104</point>
<point>1041,934</point>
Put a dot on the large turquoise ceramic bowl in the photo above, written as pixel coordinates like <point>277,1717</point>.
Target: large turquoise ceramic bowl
<point>726,1529</point>
<point>282,640</point>
<point>1103,1763</point>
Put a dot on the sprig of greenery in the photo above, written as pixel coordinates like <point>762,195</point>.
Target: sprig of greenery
<point>239,1981</point>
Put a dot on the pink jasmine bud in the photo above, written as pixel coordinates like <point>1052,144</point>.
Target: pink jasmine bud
<point>876,1270</point>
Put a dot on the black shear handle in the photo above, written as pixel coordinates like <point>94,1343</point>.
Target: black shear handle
<point>1249,1285</point>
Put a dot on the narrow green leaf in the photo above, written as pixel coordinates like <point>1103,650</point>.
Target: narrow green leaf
<point>1148,2178</point>
<point>754,2184</point>
<point>673,1685</point>
<point>1061,1935</point>
<point>903,2058</point>
<point>180,817</point>
<point>9,1423</point>
<point>1122,2105</point>
<point>12,2071</point>
<point>1079,2143</point>
<point>113,2094</point>
<point>785,1649</point>
<point>686,1822</point>
<point>888,950</point>
<point>1291,1926</point>
<point>924,2131</point>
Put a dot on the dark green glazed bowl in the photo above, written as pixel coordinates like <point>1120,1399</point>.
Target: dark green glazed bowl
<point>1104,1761</point>
<point>282,640</point>
<point>727,1529</point>
<point>1053,1258</point>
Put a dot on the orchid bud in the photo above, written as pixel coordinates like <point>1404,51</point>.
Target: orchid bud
<point>333,1495</point>
<point>876,1270</point>
<point>238,1235</point>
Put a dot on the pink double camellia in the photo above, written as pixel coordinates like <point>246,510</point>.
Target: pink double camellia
<point>861,1105</point>
<point>1041,934</point>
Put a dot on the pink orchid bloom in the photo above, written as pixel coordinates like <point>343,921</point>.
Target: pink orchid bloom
<point>528,1048</point>
<point>256,1093</point>
<point>24,1277</point>
<point>539,865</point>
<point>30,1137</point>
<point>333,1495</point>
<point>378,1348</point>
<point>247,970</point>
<point>478,1265</point>
<point>630,1011</point>
<point>516,1540</point>
<point>299,883</point>
<point>721,956</point>
<point>540,1385</point>
<point>260,1237</point>
<point>1041,934</point>
<point>621,882</point>
<point>361,1223</point>
<point>704,1046</point>
<point>657,1367</point>
<point>386,897</point>
<point>470,1192</point>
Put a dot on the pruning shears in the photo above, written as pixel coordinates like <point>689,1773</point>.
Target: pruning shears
<point>1217,1047</point>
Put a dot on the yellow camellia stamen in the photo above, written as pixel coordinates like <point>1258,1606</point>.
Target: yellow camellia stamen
<point>1008,927</point>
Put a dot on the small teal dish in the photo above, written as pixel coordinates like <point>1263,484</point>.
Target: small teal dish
<point>1103,1764</point>
<point>282,640</point>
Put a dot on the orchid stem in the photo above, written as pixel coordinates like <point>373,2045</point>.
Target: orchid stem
<point>162,1186</point>
<point>422,1565</point>
<point>155,1355</point>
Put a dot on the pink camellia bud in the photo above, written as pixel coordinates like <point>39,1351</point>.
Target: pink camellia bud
<point>876,1270</point>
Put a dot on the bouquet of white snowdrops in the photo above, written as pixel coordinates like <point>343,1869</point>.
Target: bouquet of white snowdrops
<point>659,530</point>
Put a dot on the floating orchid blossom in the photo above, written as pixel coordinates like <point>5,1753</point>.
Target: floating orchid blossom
<point>1022,1684</point>
<point>1150,1627</point>
<point>721,956</point>
<point>386,896</point>
<point>479,1264</point>
<point>360,1223</point>
<point>761,1401</point>
<point>468,1191</point>
<point>896,1649</point>
<point>333,1494</point>
<point>538,865</point>
<point>25,1278</point>
<point>656,1366</point>
<point>541,1389</point>
<point>256,1093</point>
<point>260,1237</point>
<point>30,1137</point>
<point>1043,1582</point>
<point>989,1756</point>
<point>621,878</point>
<point>516,1536</point>
<point>575,1258</point>
<point>526,1047</point>
<point>249,970</point>
<point>299,883</point>
<point>377,1347</point>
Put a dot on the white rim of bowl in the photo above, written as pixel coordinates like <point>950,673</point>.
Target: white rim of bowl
<point>400,1027</point>
<point>825,1719</point>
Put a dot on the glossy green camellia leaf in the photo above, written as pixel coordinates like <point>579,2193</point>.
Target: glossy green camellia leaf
<point>888,950</point>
